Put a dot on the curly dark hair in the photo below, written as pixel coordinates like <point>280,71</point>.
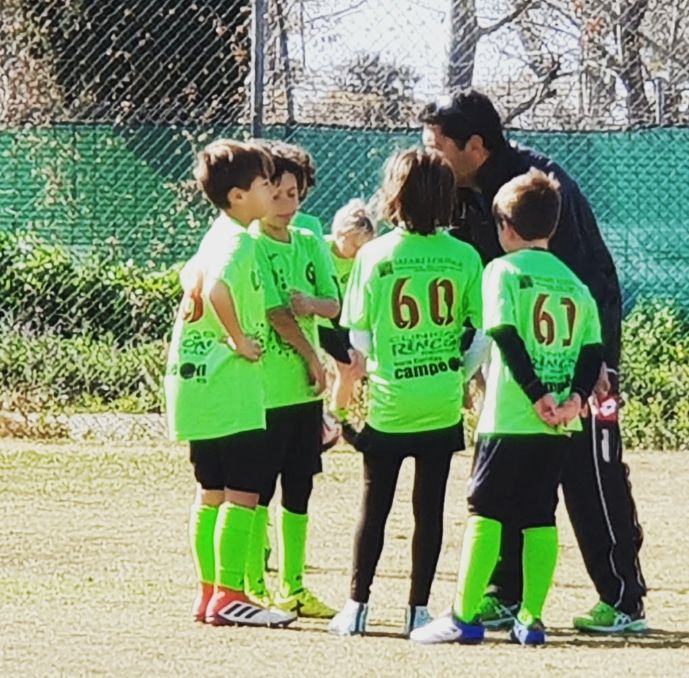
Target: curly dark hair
<point>292,159</point>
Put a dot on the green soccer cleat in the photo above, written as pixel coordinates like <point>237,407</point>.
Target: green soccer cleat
<point>604,618</point>
<point>495,615</point>
<point>305,604</point>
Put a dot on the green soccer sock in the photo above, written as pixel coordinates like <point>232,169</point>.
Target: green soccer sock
<point>539,557</point>
<point>480,552</point>
<point>291,550</point>
<point>232,536</point>
<point>202,520</point>
<point>254,574</point>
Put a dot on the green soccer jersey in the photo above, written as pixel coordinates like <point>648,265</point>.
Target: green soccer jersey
<point>343,267</point>
<point>309,222</point>
<point>210,390</point>
<point>555,315</point>
<point>413,293</point>
<point>303,265</point>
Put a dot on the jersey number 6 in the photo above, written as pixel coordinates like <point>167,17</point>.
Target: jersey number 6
<point>544,323</point>
<point>405,308</point>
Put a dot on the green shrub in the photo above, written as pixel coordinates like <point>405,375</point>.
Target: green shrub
<point>45,288</point>
<point>655,377</point>
<point>53,373</point>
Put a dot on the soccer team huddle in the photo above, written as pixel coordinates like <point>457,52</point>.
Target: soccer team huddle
<point>416,315</point>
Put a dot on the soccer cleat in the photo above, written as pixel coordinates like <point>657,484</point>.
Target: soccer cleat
<point>448,629</point>
<point>203,596</point>
<point>233,608</point>
<point>330,432</point>
<point>604,618</point>
<point>263,598</point>
<point>531,634</point>
<point>305,604</point>
<point>350,620</point>
<point>415,617</point>
<point>496,615</point>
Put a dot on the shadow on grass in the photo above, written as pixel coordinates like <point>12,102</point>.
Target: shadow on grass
<point>653,639</point>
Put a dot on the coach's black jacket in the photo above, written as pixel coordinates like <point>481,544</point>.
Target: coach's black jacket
<point>577,240</point>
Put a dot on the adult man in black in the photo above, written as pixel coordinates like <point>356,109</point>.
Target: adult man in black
<point>468,130</point>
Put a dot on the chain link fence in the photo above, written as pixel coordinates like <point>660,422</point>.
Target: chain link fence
<point>103,102</point>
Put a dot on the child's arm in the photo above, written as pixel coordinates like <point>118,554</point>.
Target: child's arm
<point>519,363</point>
<point>303,304</point>
<point>220,297</point>
<point>286,326</point>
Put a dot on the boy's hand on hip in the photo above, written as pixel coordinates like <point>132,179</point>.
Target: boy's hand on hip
<point>249,348</point>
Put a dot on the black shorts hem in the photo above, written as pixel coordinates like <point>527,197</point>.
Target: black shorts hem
<point>438,441</point>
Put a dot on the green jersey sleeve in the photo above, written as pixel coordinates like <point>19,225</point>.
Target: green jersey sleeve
<point>474,302</point>
<point>324,271</point>
<point>498,297</point>
<point>356,303</point>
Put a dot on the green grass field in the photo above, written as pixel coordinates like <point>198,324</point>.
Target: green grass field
<point>96,578</point>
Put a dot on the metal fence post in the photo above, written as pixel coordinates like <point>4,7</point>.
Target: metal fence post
<point>258,17</point>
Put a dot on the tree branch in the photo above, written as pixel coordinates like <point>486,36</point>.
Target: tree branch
<point>518,10</point>
<point>543,92</point>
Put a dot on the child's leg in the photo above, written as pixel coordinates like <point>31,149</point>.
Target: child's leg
<point>539,553</point>
<point>539,559</point>
<point>480,550</point>
<point>343,387</point>
<point>204,456</point>
<point>428,499</point>
<point>232,536</point>
<point>292,531</point>
<point>381,472</point>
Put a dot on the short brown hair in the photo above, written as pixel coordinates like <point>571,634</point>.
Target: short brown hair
<point>226,164</point>
<point>292,159</point>
<point>418,191</point>
<point>530,203</point>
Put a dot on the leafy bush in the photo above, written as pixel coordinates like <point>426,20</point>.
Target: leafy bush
<point>655,374</point>
<point>57,374</point>
<point>44,288</point>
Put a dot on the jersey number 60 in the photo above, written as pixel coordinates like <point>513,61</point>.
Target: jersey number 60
<point>405,308</point>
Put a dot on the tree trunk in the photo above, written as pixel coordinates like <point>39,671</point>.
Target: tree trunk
<point>464,36</point>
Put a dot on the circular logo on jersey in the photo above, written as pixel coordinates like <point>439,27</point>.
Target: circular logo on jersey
<point>311,273</point>
<point>454,364</point>
<point>187,370</point>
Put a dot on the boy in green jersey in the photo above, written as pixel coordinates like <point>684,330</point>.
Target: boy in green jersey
<point>352,228</point>
<point>214,384</point>
<point>300,287</point>
<point>545,358</point>
<point>409,298</point>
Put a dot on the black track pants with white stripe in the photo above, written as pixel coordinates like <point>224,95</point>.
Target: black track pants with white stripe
<point>599,501</point>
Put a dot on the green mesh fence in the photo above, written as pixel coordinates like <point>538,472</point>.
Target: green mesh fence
<point>127,190</point>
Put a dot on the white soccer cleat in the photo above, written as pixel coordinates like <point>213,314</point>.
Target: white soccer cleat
<point>232,608</point>
<point>447,629</point>
<point>350,620</point>
<point>415,617</point>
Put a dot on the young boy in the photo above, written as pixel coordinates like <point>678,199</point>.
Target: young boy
<point>352,227</point>
<point>300,287</point>
<point>545,359</point>
<point>214,384</point>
